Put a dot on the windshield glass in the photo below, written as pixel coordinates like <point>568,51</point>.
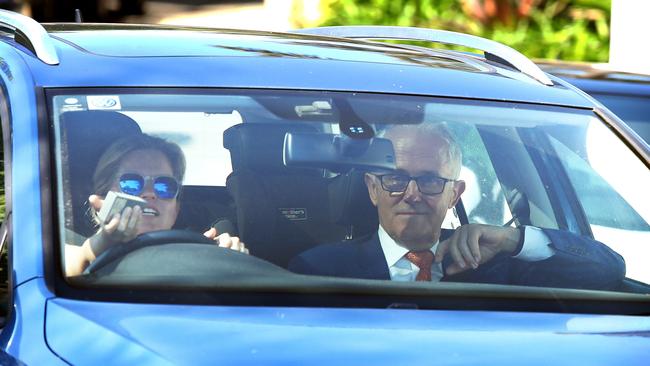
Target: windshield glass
<point>206,188</point>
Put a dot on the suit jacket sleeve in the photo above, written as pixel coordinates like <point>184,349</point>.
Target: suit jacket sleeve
<point>578,262</point>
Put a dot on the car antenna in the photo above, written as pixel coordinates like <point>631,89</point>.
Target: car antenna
<point>77,16</point>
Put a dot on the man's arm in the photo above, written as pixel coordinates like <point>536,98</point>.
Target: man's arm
<point>578,262</point>
<point>569,260</point>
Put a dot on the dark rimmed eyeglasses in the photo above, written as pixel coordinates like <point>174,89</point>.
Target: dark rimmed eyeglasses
<point>165,187</point>
<point>427,184</point>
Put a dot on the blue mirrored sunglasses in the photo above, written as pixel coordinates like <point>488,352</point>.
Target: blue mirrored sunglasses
<point>165,187</point>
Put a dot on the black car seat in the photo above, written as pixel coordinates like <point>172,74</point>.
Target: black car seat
<point>203,206</point>
<point>350,205</point>
<point>281,211</point>
<point>85,136</point>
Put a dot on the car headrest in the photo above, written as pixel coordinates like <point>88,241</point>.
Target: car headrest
<point>86,135</point>
<point>259,146</point>
<point>350,204</point>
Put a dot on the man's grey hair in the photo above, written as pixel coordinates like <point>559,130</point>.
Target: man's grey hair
<point>439,129</point>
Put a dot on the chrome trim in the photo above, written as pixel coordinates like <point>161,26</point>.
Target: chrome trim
<point>515,58</point>
<point>33,32</point>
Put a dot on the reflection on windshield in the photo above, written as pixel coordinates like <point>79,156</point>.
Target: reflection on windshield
<point>200,129</point>
<point>613,162</point>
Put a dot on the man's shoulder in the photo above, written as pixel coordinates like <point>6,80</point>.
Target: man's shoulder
<point>337,259</point>
<point>339,248</point>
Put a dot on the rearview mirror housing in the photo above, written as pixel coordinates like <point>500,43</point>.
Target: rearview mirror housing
<point>337,152</point>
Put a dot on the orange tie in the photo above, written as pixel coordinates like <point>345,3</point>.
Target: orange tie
<point>423,260</point>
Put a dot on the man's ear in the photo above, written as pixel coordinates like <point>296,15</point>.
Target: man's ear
<point>458,189</point>
<point>371,183</point>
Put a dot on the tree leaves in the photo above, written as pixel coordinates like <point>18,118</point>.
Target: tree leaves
<point>564,29</point>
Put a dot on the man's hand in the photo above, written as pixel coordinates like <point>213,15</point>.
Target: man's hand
<point>475,244</point>
<point>226,241</point>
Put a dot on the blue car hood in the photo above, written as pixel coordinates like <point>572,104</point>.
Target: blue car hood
<point>139,334</point>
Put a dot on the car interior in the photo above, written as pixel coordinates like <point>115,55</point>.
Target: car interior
<point>307,206</point>
<point>280,209</point>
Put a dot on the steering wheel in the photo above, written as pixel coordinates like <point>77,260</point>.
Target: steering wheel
<point>149,239</point>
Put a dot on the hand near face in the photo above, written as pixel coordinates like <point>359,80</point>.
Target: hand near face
<point>120,228</point>
<point>226,241</point>
<point>474,244</point>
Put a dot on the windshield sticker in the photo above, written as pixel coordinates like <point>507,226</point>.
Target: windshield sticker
<point>103,102</point>
<point>72,104</point>
<point>294,214</point>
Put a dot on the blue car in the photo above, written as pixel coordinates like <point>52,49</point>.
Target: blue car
<point>627,94</point>
<point>179,195</point>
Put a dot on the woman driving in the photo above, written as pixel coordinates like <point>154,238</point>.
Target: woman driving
<point>144,166</point>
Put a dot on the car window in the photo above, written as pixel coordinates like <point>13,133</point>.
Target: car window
<point>210,167</point>
<point>484,199</point>
<point>290,171</point>
<point>615,207</point>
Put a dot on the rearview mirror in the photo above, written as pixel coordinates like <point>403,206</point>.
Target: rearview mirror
<point>337,152</point>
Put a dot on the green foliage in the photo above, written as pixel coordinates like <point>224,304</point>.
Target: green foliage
<point>554,29</point>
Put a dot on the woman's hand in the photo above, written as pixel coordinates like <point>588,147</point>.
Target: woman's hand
<point>226,241</point>
<point>120,228</point>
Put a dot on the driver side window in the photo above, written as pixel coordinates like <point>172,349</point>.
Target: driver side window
<point>484,199</point>
<point>618,211</point>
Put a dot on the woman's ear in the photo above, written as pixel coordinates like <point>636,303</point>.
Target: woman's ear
<point>178,209</point>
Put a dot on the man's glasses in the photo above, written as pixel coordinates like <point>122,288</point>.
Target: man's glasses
<point>427,184</point>
<point>165,187</point>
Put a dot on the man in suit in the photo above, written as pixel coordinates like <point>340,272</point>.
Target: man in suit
<point>410,246</point>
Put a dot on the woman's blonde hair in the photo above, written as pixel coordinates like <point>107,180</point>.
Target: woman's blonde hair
<point>109,162</point>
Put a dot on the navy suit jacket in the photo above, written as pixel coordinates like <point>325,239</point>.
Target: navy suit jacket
<point>578,262</point>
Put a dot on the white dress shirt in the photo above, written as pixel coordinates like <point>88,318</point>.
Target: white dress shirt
<point>536,248</point>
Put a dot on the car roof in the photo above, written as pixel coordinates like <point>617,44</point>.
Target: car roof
<point>120,55</point>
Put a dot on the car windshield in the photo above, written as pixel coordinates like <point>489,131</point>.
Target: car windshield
<point>143,174</point>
